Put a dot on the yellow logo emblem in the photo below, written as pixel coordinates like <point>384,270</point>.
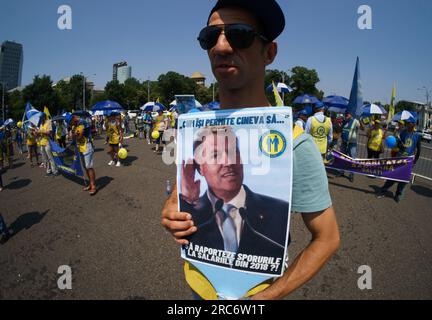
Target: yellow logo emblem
<point>272,144</point>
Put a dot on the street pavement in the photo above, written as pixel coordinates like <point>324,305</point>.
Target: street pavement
<point>117,249</point>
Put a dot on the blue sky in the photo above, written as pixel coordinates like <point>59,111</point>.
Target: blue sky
<point>159,36</point>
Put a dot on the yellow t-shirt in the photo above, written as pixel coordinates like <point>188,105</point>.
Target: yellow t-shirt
<point>45,129</point>
<point>82,143</point>
<point>159,124</point>
<point>30,139</point>
<point>376,139</point>
<point>113,132</point>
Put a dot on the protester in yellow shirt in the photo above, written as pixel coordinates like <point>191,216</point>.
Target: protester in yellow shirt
<point>32,146</point>
<point>81,134</point>
<point>44,133</point>
<point>114,138</point>
<point>375,140</point>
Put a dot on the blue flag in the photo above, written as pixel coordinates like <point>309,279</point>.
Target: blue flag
<point>355,105</point>
<point>68,159</point>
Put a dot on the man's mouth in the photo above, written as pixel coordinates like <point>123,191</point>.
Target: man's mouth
<point>229,174</point>
<point>225,67</point>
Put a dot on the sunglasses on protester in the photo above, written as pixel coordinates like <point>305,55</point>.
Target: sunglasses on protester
<point>239,36</point>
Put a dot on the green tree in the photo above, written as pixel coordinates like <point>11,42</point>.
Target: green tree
<point>115,91</point>
<point>204,94</point>
<point>303,81</point>
<point>16,105</point>
<point>97,97</point>
<point>40,93</point>
<point>133,93</point>
<point>405,105</point>
<point>173,83</point>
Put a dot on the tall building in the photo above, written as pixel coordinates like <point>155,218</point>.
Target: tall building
<point>116,66</point>
<point>11,63</point>
<point>124,73</point>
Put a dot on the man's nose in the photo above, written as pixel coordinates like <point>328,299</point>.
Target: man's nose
<point>222,45</point>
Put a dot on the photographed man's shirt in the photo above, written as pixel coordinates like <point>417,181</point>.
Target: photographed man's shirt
<point>238,202</point>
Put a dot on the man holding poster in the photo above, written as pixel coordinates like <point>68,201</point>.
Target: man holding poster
<point>239,39</point>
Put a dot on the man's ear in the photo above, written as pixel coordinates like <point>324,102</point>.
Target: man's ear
<point>270,52</point>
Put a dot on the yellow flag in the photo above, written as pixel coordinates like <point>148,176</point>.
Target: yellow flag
<point>158,100</point>
<point>392,104</point>
<point>278,98</point>
<point>46,111</point>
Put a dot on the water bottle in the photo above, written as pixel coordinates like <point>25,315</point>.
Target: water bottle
<point>168,188</point>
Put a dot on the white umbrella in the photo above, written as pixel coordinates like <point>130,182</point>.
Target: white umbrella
<point>373,109</point>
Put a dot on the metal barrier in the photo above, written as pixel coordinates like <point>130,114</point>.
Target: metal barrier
<point>423,167</point>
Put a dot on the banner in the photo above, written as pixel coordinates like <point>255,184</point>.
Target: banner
<point>234,177</point>
<point>397,169</point>
<point>68,159</point>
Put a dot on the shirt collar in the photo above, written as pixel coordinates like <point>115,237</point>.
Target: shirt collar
<point>238,201</point>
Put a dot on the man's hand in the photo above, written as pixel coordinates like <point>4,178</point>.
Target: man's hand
<point>179,224</point>
<point>190,189</point>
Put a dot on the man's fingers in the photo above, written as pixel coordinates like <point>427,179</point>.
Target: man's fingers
<point>182,241</point>
<point>176,215</point>
<point>176,226</point>
<point>182,234</point>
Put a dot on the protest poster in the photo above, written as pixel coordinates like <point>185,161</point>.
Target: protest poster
<point>234,176</point>
<point>185,103</point>
<point>396,169</point>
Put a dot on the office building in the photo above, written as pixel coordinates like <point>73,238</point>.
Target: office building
<point>124,73</point>
<point>11,63</point>
<point>115,68</point>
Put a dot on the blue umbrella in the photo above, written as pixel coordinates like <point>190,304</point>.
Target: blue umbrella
<point>306,99</point>
<point>405,115</point>
<point>106,105</point>
<point>280,87</point>
<point>336,101</point>
<point>371,108</point>
<point>153,107</point>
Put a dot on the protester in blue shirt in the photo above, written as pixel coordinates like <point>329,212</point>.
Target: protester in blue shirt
<point>409,143</point>
<point>238,62</point>
<point>349,135</point>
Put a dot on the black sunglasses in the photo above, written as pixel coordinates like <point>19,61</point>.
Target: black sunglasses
<point>239,36</point>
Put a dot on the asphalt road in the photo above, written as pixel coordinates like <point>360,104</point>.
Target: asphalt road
<point>117,249</point>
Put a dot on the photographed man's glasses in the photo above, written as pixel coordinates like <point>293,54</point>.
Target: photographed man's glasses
<point>239,36</point>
